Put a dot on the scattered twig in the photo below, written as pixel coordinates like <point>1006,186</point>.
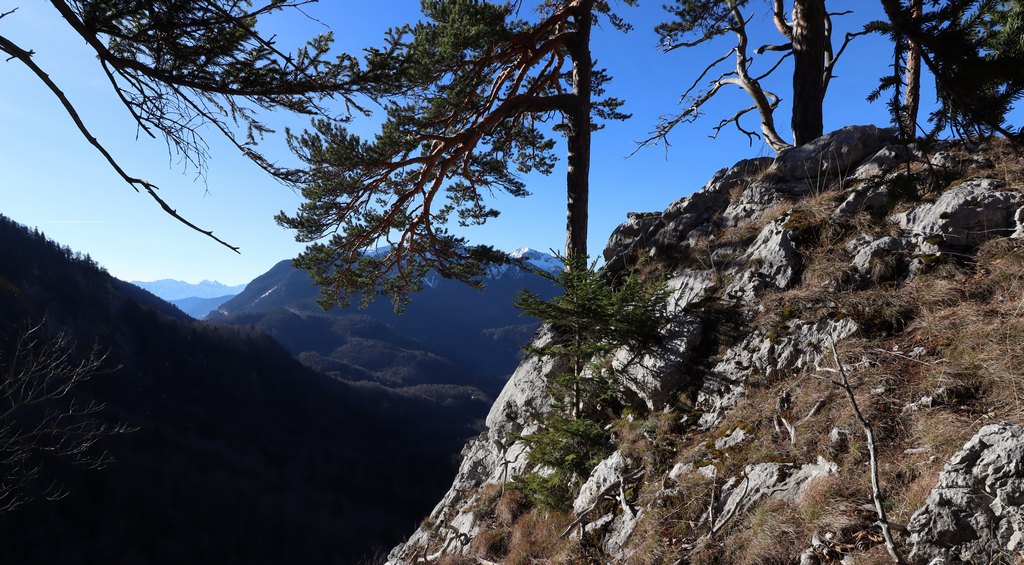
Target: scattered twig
<point>816,408</point>
<point>600,498</point>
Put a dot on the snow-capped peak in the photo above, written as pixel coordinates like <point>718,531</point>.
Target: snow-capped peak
<point>539,259</point>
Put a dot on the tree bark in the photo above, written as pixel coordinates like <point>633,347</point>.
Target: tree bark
<point>579,126</point>
<point>912,80</point>
<point>809,61</point>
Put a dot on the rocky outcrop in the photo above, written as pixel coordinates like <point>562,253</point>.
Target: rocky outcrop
<point>838,153</point>
<point>779,481</point>
<point>750,234</point>
<point>975,514</point>
<point>964,216</point>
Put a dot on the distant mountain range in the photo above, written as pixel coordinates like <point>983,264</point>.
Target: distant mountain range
<point>449,334</point>
<point>170,289</point>
<point>242,454</point>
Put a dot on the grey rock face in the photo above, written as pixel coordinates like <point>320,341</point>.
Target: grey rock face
<point>832,155</point>
<point>635,231</point>
<point>524,397</point>
<point>604,477</point>
<point>974,514</point>
<point>654,375</point>
<point>681,223</point>
<point>771,262</point>
<point>800,345</point>
<point>688,287</point>
<point>871,199</point>
<point>757,198</point>
<point>882,162</point>
<point>880,259</point>
<point>780,481</point>
<point>965,216</point>
<point>493,458</point>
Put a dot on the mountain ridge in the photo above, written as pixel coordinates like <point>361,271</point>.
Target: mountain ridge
<point>173,289</point>
<point>449,333</point>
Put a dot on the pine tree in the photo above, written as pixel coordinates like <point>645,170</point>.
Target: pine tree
<point>472,96</point>
<point>180,65</point>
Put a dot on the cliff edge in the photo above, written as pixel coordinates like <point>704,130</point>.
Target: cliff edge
<point>900,268</point>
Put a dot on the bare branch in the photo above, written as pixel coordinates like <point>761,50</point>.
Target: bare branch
<point>764,102</point>
<point>26,58</point>
<point>779,17</point>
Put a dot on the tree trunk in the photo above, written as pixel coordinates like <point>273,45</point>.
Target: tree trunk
<point>809,62</point>
<point>912,81</point>
<point>579,125</point>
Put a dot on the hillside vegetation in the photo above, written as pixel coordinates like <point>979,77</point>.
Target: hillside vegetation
<point>899,268</point>
<point>239,455</point>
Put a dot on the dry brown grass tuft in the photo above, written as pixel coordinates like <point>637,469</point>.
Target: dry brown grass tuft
<point>536,536</point>
<point>510,507</point>
<point>772,533</point>
<point>490,544</point>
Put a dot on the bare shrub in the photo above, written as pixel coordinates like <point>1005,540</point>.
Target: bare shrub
<point>42,419</point>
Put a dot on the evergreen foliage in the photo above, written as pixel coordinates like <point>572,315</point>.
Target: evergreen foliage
<point>180,66</point>
<point>590,320</point>
<point>975,53</point>
<point>472,95</point>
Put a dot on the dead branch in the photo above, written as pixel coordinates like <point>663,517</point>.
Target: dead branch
<point>843,382</point>
<point>765,102</point>
<point>25,57</point>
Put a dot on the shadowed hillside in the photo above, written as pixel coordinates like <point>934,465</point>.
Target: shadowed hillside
<point>242,455</point>
<point>449,333</point>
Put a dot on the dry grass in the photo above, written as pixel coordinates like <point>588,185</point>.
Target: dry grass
<point>536,536</point>
<point>510,507</point>
<point>770,534</point>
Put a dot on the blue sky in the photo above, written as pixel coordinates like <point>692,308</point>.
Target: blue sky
<point>52,178</point>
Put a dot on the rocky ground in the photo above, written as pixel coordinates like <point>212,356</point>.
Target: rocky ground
<point>855,259</point>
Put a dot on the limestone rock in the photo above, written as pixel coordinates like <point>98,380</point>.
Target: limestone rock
<point>883,162</point>
<point>618,534</point>
<point>883,259</point>
<point>635,231</point>
<point>873,199</point>
<point>685,220</point>
<point>734,438</point>
<point>653,375</point>
<point>524,396</point>
<point>757,198</point>
<point>964,216</point>
<point>771,262</point>
<point>798,345</point>
<point>607,474</point>
<point>833,154</point>
<point>688,287</point>
<point>780,481</point>
<point>975,511</point>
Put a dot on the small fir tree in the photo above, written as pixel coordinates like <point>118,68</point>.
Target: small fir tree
<point>590,320</point>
